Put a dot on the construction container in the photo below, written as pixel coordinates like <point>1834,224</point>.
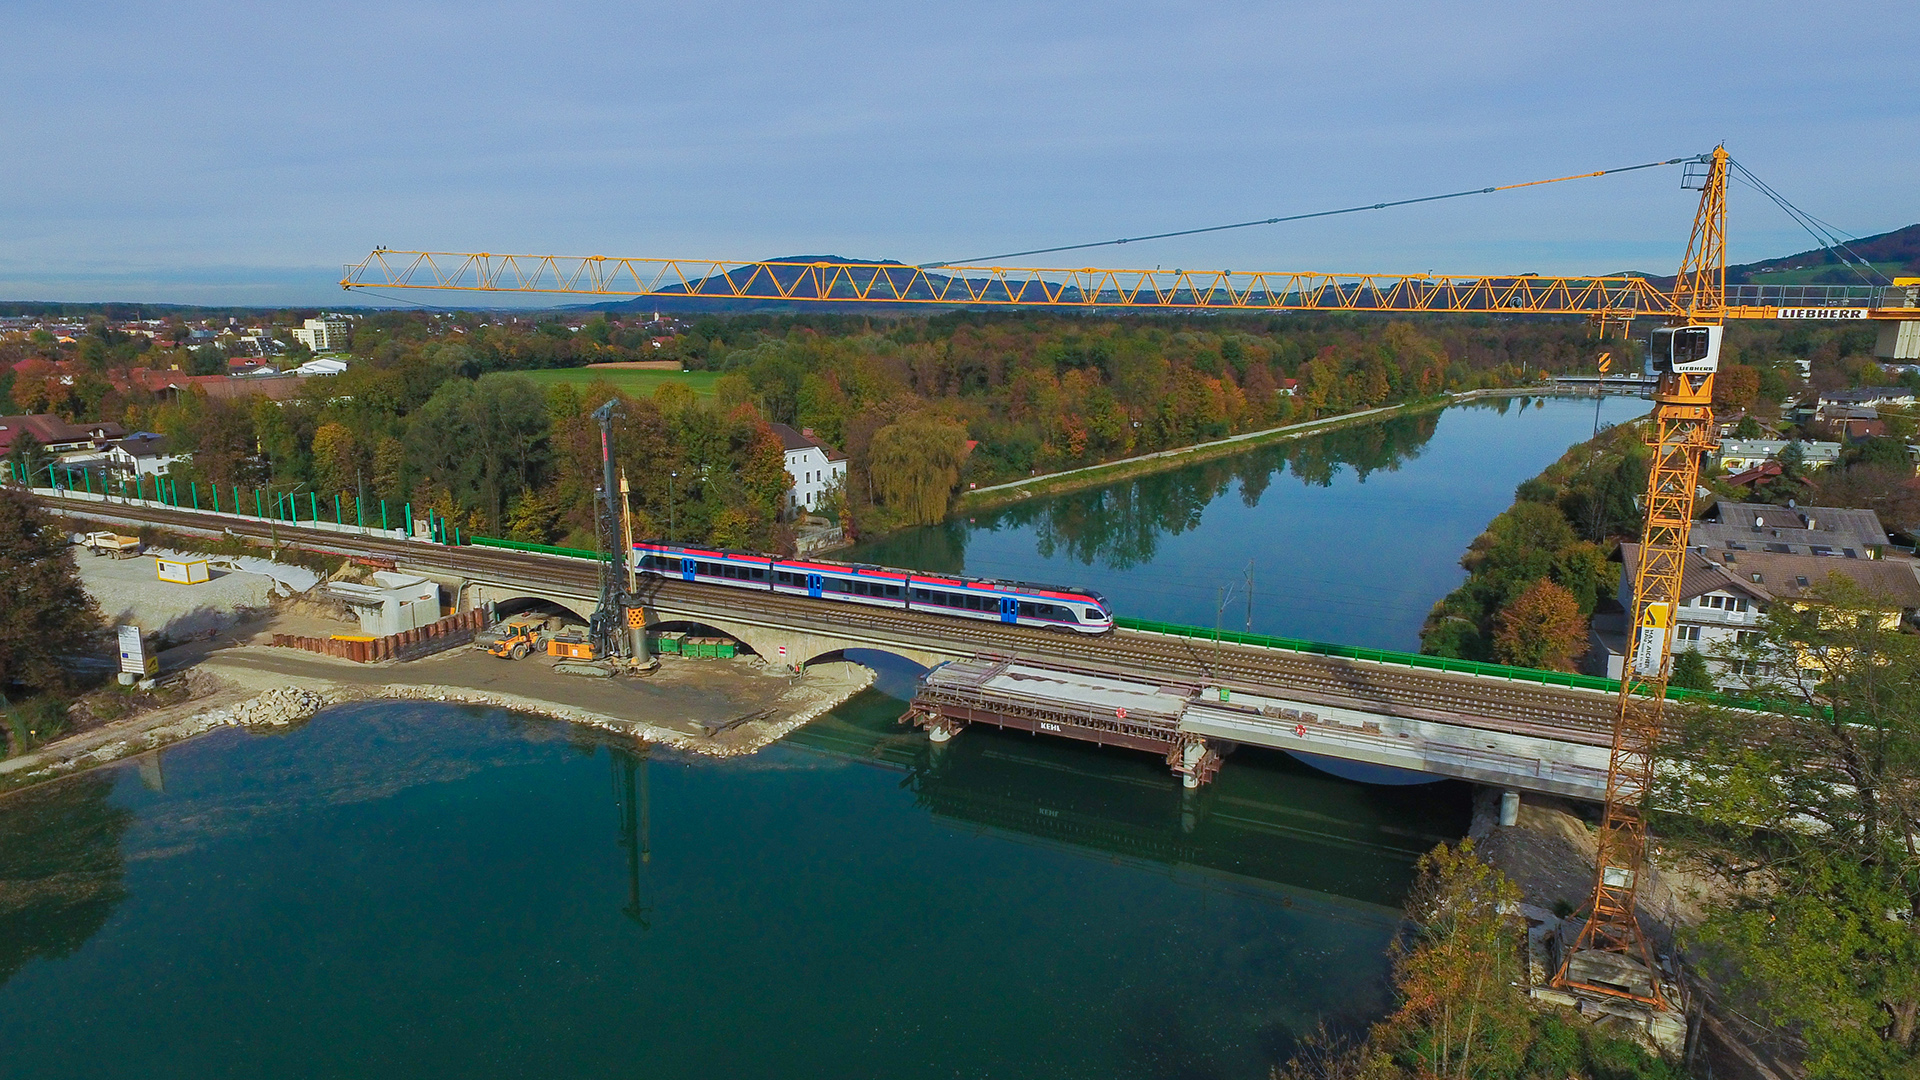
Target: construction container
<point>666,644</point>
<point>182,571</point>
<point>709,648</point>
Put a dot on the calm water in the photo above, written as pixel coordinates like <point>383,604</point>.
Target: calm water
<point>436,891</point>
<point>1352,536</point>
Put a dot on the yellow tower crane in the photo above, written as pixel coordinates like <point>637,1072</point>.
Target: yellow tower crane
<point>1611,955</point>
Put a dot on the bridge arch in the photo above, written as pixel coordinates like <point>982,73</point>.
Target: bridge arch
<point>509,607</point>
<point>786,646</point>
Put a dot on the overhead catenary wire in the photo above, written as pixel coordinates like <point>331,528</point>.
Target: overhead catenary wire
<point>1825,235</point>
<point>1300,217</point>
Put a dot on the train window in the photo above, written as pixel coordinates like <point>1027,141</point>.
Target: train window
<point>923,596</point>
<point>1027,610</point>
<point>703,568</point>
<point>894,591</point>
<point>759,573</point>
<point>1093,615</point>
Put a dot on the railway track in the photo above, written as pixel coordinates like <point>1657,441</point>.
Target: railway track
<point>1473,701</point>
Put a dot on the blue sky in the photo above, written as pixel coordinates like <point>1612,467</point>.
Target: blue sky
<point>239,152</point>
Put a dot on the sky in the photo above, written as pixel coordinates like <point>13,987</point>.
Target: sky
<point>240,152</point>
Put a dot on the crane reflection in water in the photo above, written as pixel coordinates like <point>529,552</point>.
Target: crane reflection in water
<point>633,806</point>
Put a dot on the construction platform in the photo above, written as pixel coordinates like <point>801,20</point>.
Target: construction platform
<point>1106,708</point>
<point>1192,724</point>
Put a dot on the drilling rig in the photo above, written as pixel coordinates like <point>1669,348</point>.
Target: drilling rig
<point>616,631</point>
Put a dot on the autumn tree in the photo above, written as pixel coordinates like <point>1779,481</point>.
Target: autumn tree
<point>1736,386</point>
<point>336,459</point>
<point>1541,628</point>
<point>46,616</point>
<point>1459,1014</point>
<point>916,464</point>
<point>1807,812</point>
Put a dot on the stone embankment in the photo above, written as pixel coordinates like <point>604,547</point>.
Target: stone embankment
<point>231,704</point>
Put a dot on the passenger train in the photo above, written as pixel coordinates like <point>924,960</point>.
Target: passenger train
<point>1052,607</point>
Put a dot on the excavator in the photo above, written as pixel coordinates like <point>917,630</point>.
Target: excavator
<point>1611,956</point>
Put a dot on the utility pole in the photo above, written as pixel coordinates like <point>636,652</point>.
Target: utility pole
<point>1249,596</point>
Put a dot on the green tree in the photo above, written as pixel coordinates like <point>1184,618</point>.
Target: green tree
<point>1808,812</point>
<point>1690,671</point>
<point>916,465</point>
<point>30,458</point>
<point>46,617</point>
<point>482,443</point>
<point>207,360</point>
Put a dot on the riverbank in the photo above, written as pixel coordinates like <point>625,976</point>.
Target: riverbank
<point>997,495</point>
<point>717,708</point>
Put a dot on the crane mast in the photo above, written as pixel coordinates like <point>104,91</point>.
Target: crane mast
<point>1684,357</point>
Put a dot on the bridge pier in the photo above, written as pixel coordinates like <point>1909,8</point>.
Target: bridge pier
<point>1194,760</point>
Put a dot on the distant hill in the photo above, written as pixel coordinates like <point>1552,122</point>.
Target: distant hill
<point>1891,253</point>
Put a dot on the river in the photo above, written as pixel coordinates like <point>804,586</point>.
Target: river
<point>439,891</point>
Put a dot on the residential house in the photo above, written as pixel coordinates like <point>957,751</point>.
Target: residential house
<point>811,465</point>
<point>1828,531</point>
<point>56,436</point>
<point>1849,423</point>
<point>141,454</point>
<point>1724,594</point>
<point>1869,395</point>
<point>1763,473</point>
<point>1738,455</point>
<point>223,387</point>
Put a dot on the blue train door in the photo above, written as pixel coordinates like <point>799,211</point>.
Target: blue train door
<point>1009,609</point>
<point>686,569</point>
<point>814,585</point>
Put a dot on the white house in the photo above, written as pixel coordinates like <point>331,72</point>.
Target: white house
<point>1724,593</point>
<point>812,467</point>
<point>325,334</point>
<point>1739,455</point>
<point>144,454</point>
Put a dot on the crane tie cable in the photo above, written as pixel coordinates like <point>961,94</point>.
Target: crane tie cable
<point>1297,217</point>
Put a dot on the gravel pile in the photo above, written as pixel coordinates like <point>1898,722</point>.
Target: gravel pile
<point>275,708</point>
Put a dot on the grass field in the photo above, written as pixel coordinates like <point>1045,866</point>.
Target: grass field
<point>1802,277</point>
<point>636,381</point>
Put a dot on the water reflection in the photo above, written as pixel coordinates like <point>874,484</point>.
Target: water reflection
<point>632,797</point>
<point>1120,526</point>
<point>61,868</point>
<point>1347,849</point>
<point>1352,535</point>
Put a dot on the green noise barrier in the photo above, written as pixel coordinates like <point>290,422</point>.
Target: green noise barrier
<point>1404,659</point>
